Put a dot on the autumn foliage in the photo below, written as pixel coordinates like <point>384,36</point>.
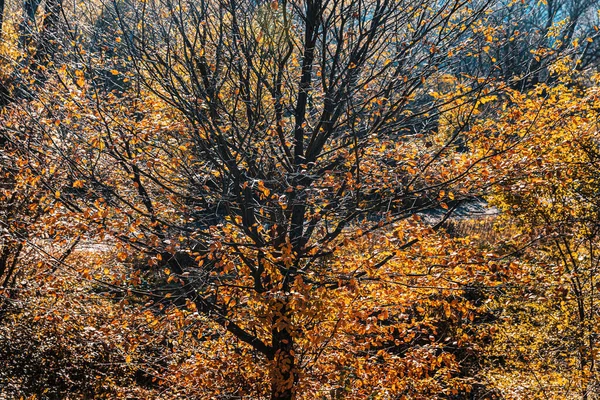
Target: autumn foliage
<point>315,199</point>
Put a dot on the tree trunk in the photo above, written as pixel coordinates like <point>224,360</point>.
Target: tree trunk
<point>27,25</point>
<point>48,40</point>
<point>283,374</point>
<point>1,16</point>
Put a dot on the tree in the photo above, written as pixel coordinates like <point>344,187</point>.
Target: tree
<point>548,200</point>
<point>272,138</point>
<point>519,41</point>
<point>24,188</point>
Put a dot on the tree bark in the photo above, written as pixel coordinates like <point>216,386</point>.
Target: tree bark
<point>1,16</point>
<point>283,374</point>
